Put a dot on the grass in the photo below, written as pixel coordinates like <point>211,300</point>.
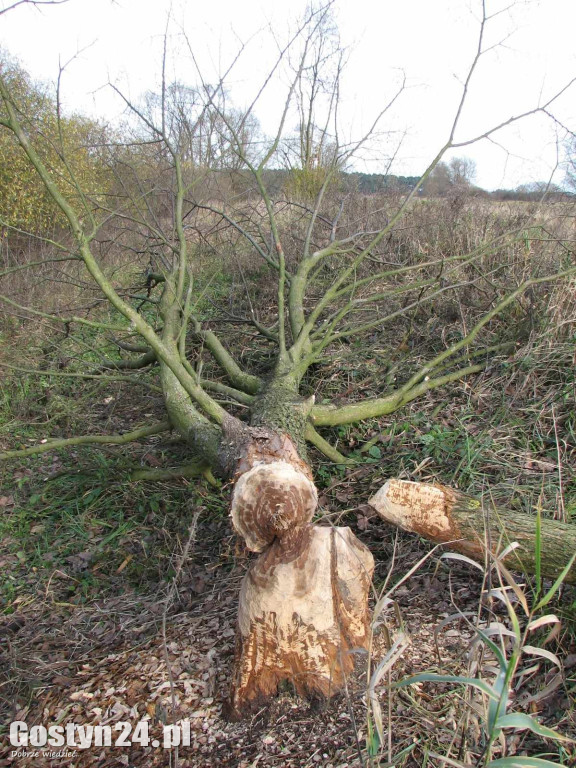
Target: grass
<point>79,531</point>
<point>475,707</point>
<point>91,523</point>
<point>75,530</point>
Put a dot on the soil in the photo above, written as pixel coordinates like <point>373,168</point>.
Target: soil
<point>133,657</point>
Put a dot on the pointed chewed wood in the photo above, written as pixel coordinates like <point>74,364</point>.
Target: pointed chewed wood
<point>303,605</point>
<point>303,610</point>
<point>446,515</point>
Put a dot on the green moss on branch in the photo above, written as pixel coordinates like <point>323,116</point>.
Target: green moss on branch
<point>316,439</point>
<point>190,471</point>
<point>53,445</point>
<point>330,415</point>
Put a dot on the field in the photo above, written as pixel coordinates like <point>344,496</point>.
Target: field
<point>119,590</point>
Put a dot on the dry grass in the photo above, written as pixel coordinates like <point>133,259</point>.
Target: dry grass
<point>88,558</point>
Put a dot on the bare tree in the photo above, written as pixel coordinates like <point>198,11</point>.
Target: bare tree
<point>303,605</point>
<point>452,179</point>
<point>195,123</point>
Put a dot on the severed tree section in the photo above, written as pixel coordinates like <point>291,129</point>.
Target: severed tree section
<point>303,605</point>
<point>445,515</point>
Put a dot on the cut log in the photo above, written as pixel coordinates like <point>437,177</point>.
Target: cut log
<point>445,515</point>
<point>304,602</point>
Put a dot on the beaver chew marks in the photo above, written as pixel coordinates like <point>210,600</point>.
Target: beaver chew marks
<point>270,501</point>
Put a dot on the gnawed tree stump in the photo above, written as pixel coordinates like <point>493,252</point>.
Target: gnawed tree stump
<point>304,602</point>
<point>444,515</point>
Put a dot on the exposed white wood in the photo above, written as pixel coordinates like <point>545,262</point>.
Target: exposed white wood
<point>410,505</point>
<point>301,614</point>
<point>269,500</point>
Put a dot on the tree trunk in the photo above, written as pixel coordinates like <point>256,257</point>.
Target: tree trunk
<point>304,602</point>
<point>444,515</point>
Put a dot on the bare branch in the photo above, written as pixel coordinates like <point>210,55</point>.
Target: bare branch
<point>53,445</point>
<point>31,2</point>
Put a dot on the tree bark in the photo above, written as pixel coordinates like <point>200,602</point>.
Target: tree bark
<point>447,516</point>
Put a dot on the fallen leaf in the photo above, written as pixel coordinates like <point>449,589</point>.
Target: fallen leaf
<point>362,522</point>
<point>81,561</point>
<point>150,459</point>
<point>38,528</point>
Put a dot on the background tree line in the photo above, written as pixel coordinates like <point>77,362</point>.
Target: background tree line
<point>87,154</point>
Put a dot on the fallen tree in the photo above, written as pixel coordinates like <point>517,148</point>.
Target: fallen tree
<point>303,606</point>
<point>466,524</point>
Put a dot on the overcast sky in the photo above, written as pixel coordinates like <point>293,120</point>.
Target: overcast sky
<point>430,42</point>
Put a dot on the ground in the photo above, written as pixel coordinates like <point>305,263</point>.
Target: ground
<point>118,670</point>
<point>120,600</point>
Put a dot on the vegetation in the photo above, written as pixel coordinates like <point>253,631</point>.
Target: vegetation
<point>217,300</point>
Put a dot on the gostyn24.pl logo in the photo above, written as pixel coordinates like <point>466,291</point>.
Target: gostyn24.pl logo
<point>121,734</point>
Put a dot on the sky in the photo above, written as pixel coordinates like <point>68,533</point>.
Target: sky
<point>429,44</point>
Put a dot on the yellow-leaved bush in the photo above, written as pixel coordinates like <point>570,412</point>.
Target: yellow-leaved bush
<point>72,146</point>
